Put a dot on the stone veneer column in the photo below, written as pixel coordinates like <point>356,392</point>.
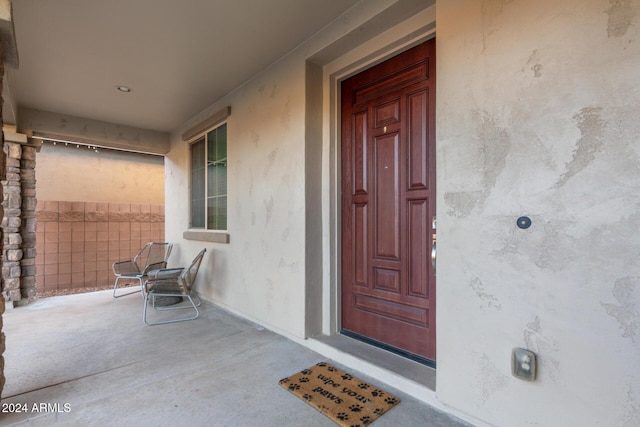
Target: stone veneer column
<point>2,177</point>
<point>11,222</point>
<point>9,57</point>
<point>19,221</point>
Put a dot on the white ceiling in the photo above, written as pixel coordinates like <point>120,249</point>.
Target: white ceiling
<point>177,56</point>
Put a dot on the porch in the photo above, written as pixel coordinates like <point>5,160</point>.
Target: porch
<point>94,362</point>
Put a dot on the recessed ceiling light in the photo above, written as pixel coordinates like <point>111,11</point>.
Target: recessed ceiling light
<point>124,89</point>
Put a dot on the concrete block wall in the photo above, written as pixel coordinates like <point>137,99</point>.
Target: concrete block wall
<point>77,242</point>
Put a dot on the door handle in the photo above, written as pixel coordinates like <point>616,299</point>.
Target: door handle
<point>434,251</point>
<point>433,257</point>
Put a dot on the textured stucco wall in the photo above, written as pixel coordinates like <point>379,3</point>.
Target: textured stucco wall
<point>260,273</point>
<point>537,114</point>
<point>79,174</point>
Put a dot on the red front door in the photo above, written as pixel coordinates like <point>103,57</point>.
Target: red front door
<point>388,203</point>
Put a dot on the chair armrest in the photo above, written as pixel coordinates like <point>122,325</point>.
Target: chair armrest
<point>164,274</point>
<point>125,267</point>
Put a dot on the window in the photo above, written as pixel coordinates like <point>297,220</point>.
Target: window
<point>209,180</point>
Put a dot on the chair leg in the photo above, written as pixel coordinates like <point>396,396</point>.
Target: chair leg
<point>115,286</point>
<point>142,290</point>
<point>198,298</point>
<point>176,306</point>
<point>144,311</point>
<point>195,307</point>
<point>182,319</point>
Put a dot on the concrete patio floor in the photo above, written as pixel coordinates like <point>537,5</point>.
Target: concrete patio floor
<point>90,359</point>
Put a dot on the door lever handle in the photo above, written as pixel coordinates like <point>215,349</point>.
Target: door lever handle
<point>434,253</point>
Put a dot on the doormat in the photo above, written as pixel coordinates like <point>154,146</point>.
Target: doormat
<point>344,398</point>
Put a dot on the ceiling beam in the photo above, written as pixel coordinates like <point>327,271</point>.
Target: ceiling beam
<point>62,127</point>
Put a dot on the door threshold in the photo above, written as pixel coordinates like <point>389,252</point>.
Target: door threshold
<point>408,355</point>
<point>410,370</point>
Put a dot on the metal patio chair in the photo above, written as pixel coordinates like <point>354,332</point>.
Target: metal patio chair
<point>173,282</point>
<point>152,256</point>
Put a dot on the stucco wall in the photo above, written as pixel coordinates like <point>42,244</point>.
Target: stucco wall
<point>260,273</point>
<point>537,115</point>
<point>79,174</point>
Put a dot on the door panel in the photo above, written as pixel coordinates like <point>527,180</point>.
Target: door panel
<point>360,153</point>
<point>417,140</point>
<point>388,192</point>
<point>360,253</point>
<point>387,197</point>
<point>419,250</point>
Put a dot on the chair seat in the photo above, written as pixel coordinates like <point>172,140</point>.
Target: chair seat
<point>159,288</point>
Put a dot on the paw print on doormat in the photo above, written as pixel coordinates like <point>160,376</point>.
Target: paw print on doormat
<point>321,364</point>
<point>366,420</point>
<point>377,393</point>
<point>363,386</point>
<point>391,400</point>
<point>379,411</point>
<point>284,380</point>
<point>294,387</point>
<point>331,369</point>
<point>304,380</point>
<point>306,372</point>
<point>343,416</point>
<point>347,377</point>
<point>355,408</point>
<point>307,397</point>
